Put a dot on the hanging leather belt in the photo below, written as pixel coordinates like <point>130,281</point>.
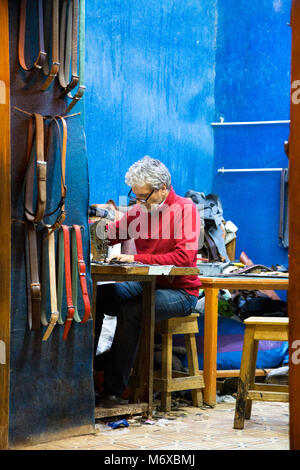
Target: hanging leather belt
<point>55,52</point>
<point>41,171</point>
<point>64,265</point>
<point>81,88</point>
<point>68,46</point>
<point>32,216</point>
<point>70,19</point>
<point>50,233</point>
<point>63,151</point>
<point>38,64</point>
<point>52,284</point>
<point>79,270</point>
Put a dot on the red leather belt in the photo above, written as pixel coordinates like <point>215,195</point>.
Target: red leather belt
<point>64,253</point>
<point>79,270</point>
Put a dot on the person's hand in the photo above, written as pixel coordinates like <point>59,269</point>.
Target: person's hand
<point>124,258</point>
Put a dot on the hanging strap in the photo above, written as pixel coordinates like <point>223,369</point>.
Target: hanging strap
<point>52,284</point>
<point>79,269</point>
<point>38,64</point>
<point>69,45</point>
<point>33,281</point>
<point>55,48</point>
<point>81,88</point>
<point>33,216</point>
<point>64,264</point>
<point>41,171</point>
<point>63,152</point>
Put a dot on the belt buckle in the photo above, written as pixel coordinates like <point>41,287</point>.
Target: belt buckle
<point>81,268</point>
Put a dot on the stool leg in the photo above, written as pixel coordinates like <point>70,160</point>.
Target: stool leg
<point>192,357</point>
<point>251,378</point>
<point>244,379</point>
<point>166,369</point>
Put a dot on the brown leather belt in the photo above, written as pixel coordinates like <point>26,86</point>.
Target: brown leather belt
<point>55,52</point>
<point>63,150</point>
<point>38,190</point>
<point>68,46</point>
<point>38,64</point>
<point>71,18</point>
<point>32,216</point>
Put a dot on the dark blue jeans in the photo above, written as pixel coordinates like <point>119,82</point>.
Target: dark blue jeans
<point>124,299</point>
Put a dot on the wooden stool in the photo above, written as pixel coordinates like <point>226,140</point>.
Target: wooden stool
<point>164,380</point>
<point>258,328</point>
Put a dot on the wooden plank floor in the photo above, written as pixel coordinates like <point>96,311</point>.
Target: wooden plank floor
<point>191,429</point>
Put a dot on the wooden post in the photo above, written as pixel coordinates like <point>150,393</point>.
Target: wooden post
<point>294,234</point>
<point>210,345</point>
<point>5,220</point>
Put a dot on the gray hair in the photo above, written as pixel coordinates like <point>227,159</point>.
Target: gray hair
<point>150,171</point>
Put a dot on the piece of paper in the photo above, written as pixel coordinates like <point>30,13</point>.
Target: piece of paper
<point>160,270</point>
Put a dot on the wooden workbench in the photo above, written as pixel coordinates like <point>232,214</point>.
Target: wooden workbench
<point>140,273</point>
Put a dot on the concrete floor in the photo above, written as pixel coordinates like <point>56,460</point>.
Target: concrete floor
<point>188,428</point>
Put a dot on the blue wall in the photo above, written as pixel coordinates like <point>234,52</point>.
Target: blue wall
<point>158,73</point>
<point>150,70</point>
<point>252,84</point>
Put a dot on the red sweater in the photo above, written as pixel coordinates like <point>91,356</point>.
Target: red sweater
<point>169,236</point>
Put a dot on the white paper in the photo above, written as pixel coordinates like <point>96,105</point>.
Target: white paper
<point>160,270</point>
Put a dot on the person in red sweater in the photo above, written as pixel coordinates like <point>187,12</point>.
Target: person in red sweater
<point>166,230</point>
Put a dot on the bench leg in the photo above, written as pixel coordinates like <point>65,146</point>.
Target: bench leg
<point>166,369</point>
<point>251,378</point>
<point>192,357</point>
<point>244,379</point>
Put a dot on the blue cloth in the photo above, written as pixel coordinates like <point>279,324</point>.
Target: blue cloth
<point>124,299</point>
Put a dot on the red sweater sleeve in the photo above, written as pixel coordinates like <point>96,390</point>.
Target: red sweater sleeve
<point>182,250</point>
<point>118,231</point>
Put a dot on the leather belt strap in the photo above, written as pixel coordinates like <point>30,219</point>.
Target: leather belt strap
<point>41,171</point>
<point>68,45</point>
<point>38,64</point>
<point>79,269</point>
<point>44,282</point>
<point>81,88</point>
<point>63,151</point>
<point>55,52</point>
<point>52,284</point>
<point>34,288</point>
<point>212,246</point>
<point>64,264</point>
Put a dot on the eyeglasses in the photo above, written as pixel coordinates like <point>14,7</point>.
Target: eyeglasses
<point>143,201</point>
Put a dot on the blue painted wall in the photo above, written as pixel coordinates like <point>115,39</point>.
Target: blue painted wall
<point>158,73</point>
<point>252,84</point>
<point>150,71</point>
